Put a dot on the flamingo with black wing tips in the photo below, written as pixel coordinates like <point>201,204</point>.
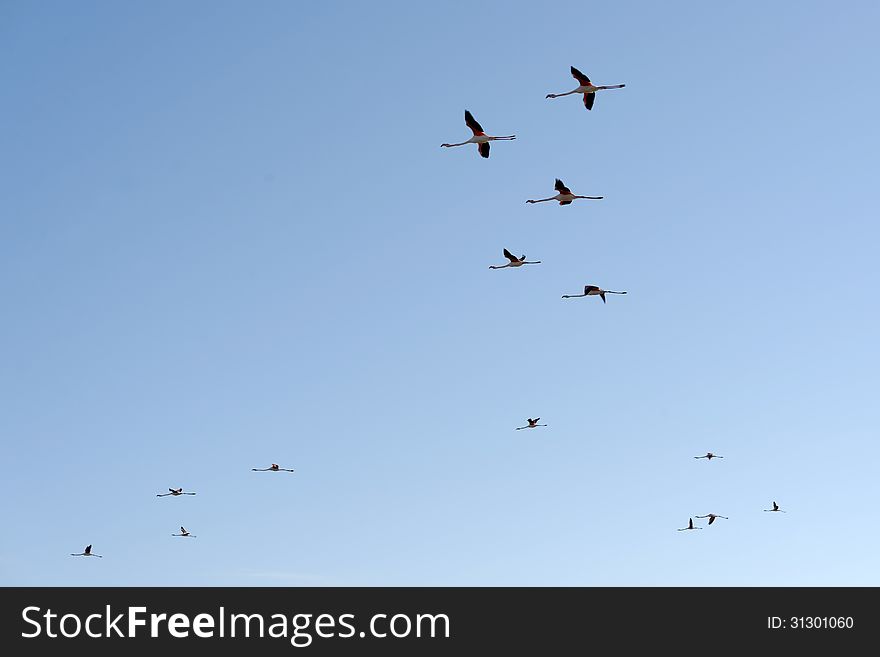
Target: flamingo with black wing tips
<point>184,533</point>
<point>532,423</point>
<point>709,456</point>
<point>587,88</point>
<point>480,138</point>
<point>565,196</point>
<point>514,261</point>
<point>690,525</point>
<point>272,468</point>
<point>712,516</point>
<point>775,508</point>
<point>175,492</point>
<point>86,553</point>
<point>590,291</point>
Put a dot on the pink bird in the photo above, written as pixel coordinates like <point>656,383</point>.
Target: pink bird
<point>585,87</point>
<point>480,138</point>
<point>272,468</point>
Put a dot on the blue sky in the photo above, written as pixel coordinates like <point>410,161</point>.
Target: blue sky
<point>229,238</point>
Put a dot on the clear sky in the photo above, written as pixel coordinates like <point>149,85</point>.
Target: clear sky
<point>230,238</point>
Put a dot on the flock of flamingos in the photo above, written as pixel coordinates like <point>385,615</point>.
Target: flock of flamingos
<point>564,196</point>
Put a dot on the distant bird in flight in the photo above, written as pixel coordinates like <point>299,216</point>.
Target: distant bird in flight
<point>514,261</point>
<point>587,88</point>
<point>565,197</point>
<point>590,291</point>
<point>775,508</point>
<point>272,468</point>
<point>709,455</point>
<point>532,423</point>
<point>175,492</point>
<point>712,516</point>
<point>183,532</point>
<point>690,525</point>
<point>480,138</point>
<point>86,553</point>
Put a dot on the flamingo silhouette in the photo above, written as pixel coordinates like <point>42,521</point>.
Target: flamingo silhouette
<point>532,423</point>
<point>712,516</point>
<point>175,492</point>
<point>480,138</point>
<point>690,525</point>
<point>272,468</point>
<point>565,195</point>
<point>590,291</point>
<point>86,553</point>
<point>585,87</point>
<point>514,261</point>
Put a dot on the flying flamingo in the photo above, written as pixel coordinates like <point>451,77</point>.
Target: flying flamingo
<point>532,423</point>
<point>712,516</point>
<point>592,290</point>
<point>690,525</point>
<point>709,455</point>
<point>775,508</point>
<point>183,532</point>
<point>86,553</point>
<point>273,468</point>
<point>480,138</point>
<point>514,261</point>
<point>175,492</point>
<point>587,88</point>
<point>565,197</point>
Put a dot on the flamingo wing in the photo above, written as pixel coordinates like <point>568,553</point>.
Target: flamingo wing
<point>564,202</point>
<point>711,519</point>
<point>472,123</point>
<point>561,188</point>
<point>589,99</point>
<point>88,549</point>
<point>510,256</point>
<point>484,149</point>
<point>580,77</point>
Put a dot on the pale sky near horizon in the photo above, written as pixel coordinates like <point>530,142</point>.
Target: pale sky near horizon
<point>229,237</point>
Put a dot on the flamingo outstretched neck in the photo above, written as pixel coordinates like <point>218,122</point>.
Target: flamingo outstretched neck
<point>272,468</point>
<point>86,553</point>
<point>480,138</point>
<point>175,492</point>
<point>690,525</point>
<point>712,516</point>
<point>592,290</point>
<point>514,261</point>
<point>565,195</point>
<point>531,424</point>
<point>585,87</point>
